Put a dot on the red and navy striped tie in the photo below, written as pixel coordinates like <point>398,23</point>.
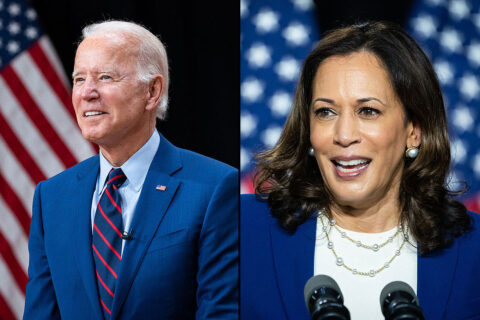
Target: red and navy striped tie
<point>107,239</point>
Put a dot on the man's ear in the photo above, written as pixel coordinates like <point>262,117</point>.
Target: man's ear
<point>155,91</point>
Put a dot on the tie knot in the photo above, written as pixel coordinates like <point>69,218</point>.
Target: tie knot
<point>116,177</point>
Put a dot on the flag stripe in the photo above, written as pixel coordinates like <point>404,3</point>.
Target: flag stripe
<point>21,153</point>
<point>5,311</point>
<point>12,264</point>
<point>47,47</point>
<point>15,176</point>
<point>48,71</point>
<point>14,235</point>
<point>28,133</point>
<point>32,110</point>
<point>51,107</point>
<point>8,288</point>
<point>16,206</point>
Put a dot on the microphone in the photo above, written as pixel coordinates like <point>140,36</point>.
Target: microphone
<point>399,301</point>
<point>127,235</point>
<point>324,300</point>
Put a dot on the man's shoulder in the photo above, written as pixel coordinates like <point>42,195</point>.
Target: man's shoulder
<point>203,165</point>
<point>72,172</point>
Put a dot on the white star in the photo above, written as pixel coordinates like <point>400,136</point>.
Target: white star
<point>458,151</point>
<point>476,20</point>
<point>458,9</point>
<point>31,14</point>
<point>425,26</point>
<point>244,158</point>
<point>248,124</point>
<point>436,2</point>
<point>251,90</point>
<point>473,53</point>
<point>31,32</point>
<point>296,34</point>
<point>288,68</point>
<point>271,135</point>
<point>445,71</point>
<point>302,5</point>
<point>476,164</point>
<point>451,40</point>
<point>13,47</point>
<point>14,28</point>
<point>469,86</point>
<point>463,118</point>
<point>280,104</point>
<point>453,181</point>
<point>266,21</point>
<point>258,55</point>
<point>14,9</point>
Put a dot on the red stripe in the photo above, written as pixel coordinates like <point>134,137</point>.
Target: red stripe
<point>15,205</point>
<point>103,304</point>
<point>37,117</point>
<point>48,71</point>
<point>104,262</point>
<point>14,267</point>
<point>113,202</point>
<point>106,241</point>
<point>5,311</point>
<point>103,284</point>
<point>20,152</point>
<point>116,177</point>
<point>108,220</point>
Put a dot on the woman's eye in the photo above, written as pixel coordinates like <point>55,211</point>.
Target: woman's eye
<point>324,112</point>
<point>369,112</point>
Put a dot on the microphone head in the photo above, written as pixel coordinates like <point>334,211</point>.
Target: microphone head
<point>319,281</point>
<point>397,286</point>
<point>399,301</point>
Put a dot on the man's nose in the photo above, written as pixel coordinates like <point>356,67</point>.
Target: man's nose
<point>346,131</point>
<point>89,89</point>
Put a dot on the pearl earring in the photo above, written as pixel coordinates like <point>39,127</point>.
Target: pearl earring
<point>411,152</point>
<point>311,152</point>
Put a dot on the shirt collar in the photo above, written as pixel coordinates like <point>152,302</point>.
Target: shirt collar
<point>135,168</point>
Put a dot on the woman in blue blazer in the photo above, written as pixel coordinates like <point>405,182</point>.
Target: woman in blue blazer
<point>355,188</point>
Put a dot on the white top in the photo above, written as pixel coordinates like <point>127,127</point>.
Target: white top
<point>361,294</point>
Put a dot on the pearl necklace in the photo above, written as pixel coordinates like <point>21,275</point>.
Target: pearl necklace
<point>375,247</point>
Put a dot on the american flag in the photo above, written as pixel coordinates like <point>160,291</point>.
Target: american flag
<point>277,35</point>
<point>39,138</point>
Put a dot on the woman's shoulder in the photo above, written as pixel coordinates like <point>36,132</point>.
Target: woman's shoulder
<point>254,211</point>
<point>473,236</point>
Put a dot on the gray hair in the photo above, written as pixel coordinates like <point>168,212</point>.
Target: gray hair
<point>152,57</point>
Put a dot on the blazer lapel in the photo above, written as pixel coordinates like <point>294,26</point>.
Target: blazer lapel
<point>435,280</point>
<point>151,207</point>
<point>86,178</point>
<point>293,256</point>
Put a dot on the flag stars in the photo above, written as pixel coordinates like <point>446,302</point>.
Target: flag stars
<point>31,33</point>
<point>451,40</point>
<point>266,21</point>
<point>244,158</point>
<point>271,135</point>
<point>14,9</point>
<point>458,151</point>
<point>296,34</point>
<point>14,28</point>
<point>258,56</point>
<point>31,14</point>
<point>445,72</point>
<point>476,20</point>
<point>473,54</point>
<point>288,69</point>
<point>425,26</point>
<point>463,119</point>
<point>13,47</point>
<point>458,9</point>
<point>476,164</point>
<point>280,104</point>
<point>469,86</point>
<point>252,90</point>
<point>248,124</point>
<point>302,5</point>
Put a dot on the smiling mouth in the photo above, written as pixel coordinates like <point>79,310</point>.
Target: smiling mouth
<point>93,113</point>
<point>350,168</point>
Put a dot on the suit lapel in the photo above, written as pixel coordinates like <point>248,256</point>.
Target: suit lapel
<point>293,260</point>
<point>435,280</point>
<point>83,238</point>
<point>149,212</point>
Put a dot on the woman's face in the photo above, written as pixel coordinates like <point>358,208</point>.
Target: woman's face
<point>358,130</point>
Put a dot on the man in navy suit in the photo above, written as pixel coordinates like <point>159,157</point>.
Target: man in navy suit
<point>144,230</point>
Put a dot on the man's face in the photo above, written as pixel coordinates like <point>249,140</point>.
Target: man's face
<point>110,103</point>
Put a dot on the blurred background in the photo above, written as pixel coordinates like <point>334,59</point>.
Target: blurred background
<point>276,36</point>
<point>38,133</point>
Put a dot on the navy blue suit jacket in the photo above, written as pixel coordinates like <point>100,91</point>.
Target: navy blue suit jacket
<point>181,264</point>
<point>275,265</point>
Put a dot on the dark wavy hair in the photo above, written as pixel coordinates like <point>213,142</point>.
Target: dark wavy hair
<point>291,179</point>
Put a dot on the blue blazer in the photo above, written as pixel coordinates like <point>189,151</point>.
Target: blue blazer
<point>275,265</point>
<point>181,264</point>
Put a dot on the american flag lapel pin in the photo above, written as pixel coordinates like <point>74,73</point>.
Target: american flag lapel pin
<point>161,187</point>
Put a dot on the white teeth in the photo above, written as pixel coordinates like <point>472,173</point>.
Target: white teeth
<point>92,113</point>
<point>342,169</point>
<point>351,162</point>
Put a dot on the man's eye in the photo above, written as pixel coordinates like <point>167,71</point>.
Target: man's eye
<point>77,80</point>
<point>105,77</point>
